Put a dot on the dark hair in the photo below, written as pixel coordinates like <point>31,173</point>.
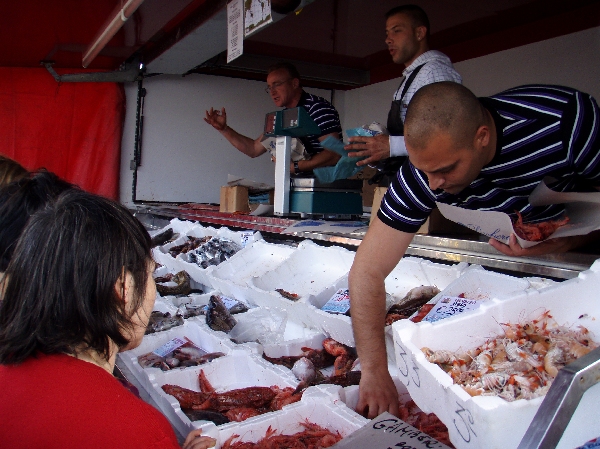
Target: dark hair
<point>18,201</point>
<point>60,292</point>
<point>288,66</point>
<point>10,170</point>
<point>446,107</point>
<point>417,15</point>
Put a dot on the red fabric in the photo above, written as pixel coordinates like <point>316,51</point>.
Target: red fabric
<point>58,402</point>
<point>71,129</point>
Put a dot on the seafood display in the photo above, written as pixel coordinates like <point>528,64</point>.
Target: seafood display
<point>213,252</point>
<point>306,367</point>
<point>181,279</point>
<point>411,302</point>
<point>428,423</point>
<point>185,355</point>
<point>235,405</point>
<point>191,244</point>
<point>160,321</point>
<point>218,316</point>
<point>313,436</point>
<point>288,295</point>
<point>536,232</point>
<point>521,364</point>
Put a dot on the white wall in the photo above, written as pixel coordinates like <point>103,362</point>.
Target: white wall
<point>571,60</point>
<point>183,158</point>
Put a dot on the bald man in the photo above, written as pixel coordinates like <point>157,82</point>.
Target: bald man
<point>474,153</point>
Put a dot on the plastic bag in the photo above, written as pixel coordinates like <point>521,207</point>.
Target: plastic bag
<point>262,324</point>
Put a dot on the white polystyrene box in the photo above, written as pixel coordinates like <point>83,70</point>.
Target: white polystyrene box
<point>199,333</point>
<point>294,337</point>
<point>309,270</point>
<point>180,227</point>
<point>409,273</point>
<point>317,409</point>
<point>254,260</point>
<point>477,283</point>
<point>490,422</point>
<point>237,370</point>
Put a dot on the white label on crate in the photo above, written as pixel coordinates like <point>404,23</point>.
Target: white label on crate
<point>387,431</point>
<point>229,302</point>
<point>449,306</point>
<point>169,347</point>
<point>339,302</point>
<point>246,237</point>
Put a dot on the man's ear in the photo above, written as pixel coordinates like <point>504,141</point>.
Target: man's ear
<point>421,32</point>
<point>482,137</point>
<point>295,83</point>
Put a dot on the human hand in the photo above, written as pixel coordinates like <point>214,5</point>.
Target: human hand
<point>377,394</point>
<point>557,245</point>
<point>217,119</point>
<point>195,440</point>
<point>375,148</point>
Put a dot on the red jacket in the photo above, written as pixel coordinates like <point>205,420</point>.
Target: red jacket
<point>60,402</point>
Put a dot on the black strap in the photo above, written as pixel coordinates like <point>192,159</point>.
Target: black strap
<point>409,81</point>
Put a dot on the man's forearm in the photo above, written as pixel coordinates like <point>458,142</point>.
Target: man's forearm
<point>243,143</point>
<point>325,158</point>
<point>368,318</point>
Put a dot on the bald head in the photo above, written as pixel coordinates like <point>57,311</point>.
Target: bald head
<point>443,107</point>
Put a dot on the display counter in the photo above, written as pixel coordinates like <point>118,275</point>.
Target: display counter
<point>445,248</point>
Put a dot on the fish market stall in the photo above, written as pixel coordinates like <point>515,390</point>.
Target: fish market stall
<point>251,337</point>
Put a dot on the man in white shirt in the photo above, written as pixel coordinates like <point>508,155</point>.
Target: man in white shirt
<point>407,38</point>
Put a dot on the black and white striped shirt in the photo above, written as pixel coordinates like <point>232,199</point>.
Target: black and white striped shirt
<point>325,116</point>
<point>544,131</point>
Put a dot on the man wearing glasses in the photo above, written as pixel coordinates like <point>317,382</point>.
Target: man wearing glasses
<point>283,84</point>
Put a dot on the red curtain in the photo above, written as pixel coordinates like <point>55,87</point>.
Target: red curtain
<point>71,129</point>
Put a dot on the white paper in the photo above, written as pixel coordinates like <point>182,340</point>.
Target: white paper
<point>263,209</point>
<point>337,227</point>
<point>235,28</point>
<point>449,306</point>
<point>257,14</point>
<point>583,210</point>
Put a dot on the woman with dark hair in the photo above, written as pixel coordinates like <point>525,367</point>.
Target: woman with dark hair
<point>19,200</point>
<point>10,170</point>
<point>79,290</point>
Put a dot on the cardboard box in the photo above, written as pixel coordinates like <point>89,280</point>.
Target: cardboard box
<point>234,199</point>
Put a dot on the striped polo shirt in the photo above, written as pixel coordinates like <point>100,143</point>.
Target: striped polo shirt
<point>325,116</point>
<point>543,131</point>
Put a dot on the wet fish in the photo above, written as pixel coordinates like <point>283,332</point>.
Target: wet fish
<point>414,299</point>
<point>162,238</point>
<point>183,287</point>
<point>206,415</point>
<point>162,321</point>
<point>218,317</point>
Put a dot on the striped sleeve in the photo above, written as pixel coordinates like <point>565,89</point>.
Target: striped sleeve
<point>408,201</point>
<point>581,136</point>
<point>326,117</point>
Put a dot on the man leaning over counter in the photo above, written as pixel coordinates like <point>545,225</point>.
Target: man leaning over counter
<point>284,87</point>
<point>475,153</point>
<point>407,39</point>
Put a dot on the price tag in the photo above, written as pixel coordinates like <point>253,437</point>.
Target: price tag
<point>449,306</point>
<point>246,237</point>
<point>169,347</point>
<point>339,302</point>
<point>387,432</point>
